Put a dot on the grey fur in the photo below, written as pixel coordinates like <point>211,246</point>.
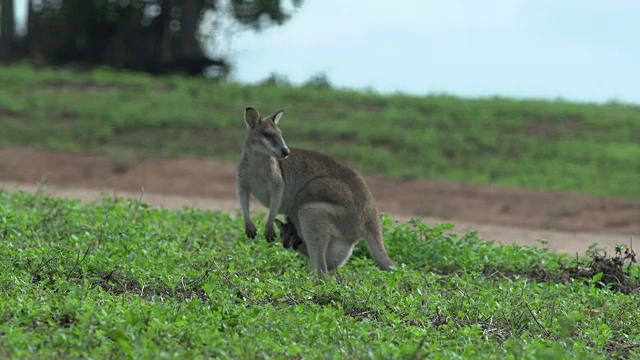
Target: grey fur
<point>328,203</point>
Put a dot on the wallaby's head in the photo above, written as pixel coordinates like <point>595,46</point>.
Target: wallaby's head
<point>264,135</point>
<point>288,233</point>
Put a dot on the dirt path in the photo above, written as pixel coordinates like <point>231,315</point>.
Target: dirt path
<point>568,222</point>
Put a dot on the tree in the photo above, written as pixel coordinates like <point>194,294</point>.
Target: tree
<point>155,36</point>
<point>7,29</point>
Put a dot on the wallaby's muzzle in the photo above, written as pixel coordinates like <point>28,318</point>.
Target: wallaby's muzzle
<point>285,153</point>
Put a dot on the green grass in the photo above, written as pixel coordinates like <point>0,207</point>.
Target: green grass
<point>120,279</point>
<point>536,144</point>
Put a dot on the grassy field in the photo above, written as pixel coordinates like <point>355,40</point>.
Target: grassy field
<point>536,144</point>
<point>119,279</point>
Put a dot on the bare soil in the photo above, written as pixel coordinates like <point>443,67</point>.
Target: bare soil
<point>568,222</point>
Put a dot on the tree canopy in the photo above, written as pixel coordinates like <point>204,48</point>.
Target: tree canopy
<point>156,36</point>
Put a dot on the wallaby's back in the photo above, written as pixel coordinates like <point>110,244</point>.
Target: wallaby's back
<point>312,176</point>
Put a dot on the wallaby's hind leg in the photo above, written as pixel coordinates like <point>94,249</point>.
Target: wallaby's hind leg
<point>317,229</point>
<point>338,253</point>
<point>316,242</point>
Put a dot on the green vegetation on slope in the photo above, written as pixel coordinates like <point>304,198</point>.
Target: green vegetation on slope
<point>121,279</point>
<point>536,144</point>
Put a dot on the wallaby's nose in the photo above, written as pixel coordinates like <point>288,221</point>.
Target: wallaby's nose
<point>285,152</point>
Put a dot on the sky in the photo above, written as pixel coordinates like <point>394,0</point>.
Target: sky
<point>579,50</point>
<point>575,49</point>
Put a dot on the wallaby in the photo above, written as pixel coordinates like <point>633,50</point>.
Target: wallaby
<point>328,203</point>
<point>290,237</point>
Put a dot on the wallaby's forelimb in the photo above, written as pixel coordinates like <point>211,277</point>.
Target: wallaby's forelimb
<point>276,189</point>
<point>249,227</point>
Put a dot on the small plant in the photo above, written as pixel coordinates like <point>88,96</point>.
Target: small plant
<point>275,79</point>
<point>524,143</point>
<point>318,81</point>
<point>122,159</point>
<point>123,279</point>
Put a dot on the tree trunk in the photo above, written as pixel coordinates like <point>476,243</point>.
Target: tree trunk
<point>33,42</point>
<point>191,10</point>
<point>166,37</point>
<point>7,29</point>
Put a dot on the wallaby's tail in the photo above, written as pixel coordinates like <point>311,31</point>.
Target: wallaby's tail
<point>375,243</point>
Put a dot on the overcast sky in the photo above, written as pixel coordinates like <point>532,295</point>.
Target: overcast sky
<point>576,49</point>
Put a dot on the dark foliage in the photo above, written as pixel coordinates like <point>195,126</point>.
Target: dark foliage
<point>154,36</point>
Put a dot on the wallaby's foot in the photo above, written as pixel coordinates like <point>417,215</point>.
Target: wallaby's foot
<point>269,233</point>
<point>250,230</point>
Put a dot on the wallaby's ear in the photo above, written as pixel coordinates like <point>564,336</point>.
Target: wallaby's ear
<point>251,117</point>
<point>276,117</point>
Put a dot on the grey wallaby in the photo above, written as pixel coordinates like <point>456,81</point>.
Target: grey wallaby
<point>328,203</point>
<point>290,237</point>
